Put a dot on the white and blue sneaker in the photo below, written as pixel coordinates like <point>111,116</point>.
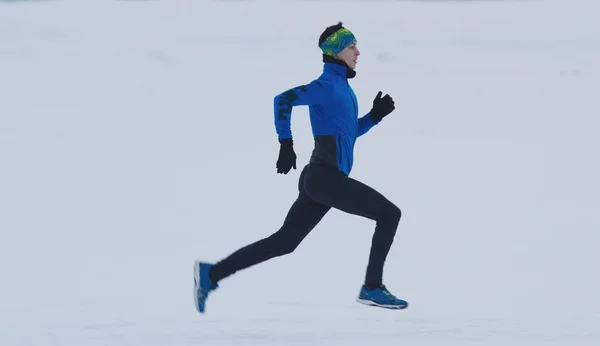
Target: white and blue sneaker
<point>202,284</point>
<point>380,297</point>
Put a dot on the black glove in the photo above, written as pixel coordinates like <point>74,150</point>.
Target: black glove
<point>382,107</point>
<point>287,156</point>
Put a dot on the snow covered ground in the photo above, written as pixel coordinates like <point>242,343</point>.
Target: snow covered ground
<point>137,136</point>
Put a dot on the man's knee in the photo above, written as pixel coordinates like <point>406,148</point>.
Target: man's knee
<point>282,245</point>
<point>288,247</point>
<point>396,213</point>
<point>391,215</point>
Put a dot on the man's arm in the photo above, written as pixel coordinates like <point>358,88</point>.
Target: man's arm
<point>316,92</point>
<point>365,124</point>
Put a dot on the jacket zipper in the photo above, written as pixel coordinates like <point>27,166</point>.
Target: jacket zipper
<point>340,149</point>
<point>353,100</point>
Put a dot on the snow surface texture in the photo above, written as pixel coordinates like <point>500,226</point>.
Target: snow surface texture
<point>137,136</point>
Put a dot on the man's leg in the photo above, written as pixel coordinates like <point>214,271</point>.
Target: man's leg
<point>330,187</point>
<point>302,217</point>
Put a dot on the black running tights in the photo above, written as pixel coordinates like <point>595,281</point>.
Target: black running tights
<point>320,189</point>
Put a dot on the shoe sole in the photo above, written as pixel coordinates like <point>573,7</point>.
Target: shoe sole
<point>372,303</point>
<point>196,284</point>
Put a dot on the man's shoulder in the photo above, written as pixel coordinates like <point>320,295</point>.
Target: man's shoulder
<point>324,81</point>
<point>327,78</point>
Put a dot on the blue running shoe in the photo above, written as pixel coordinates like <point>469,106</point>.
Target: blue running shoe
<point>202,284</point>
<point>380,297</point>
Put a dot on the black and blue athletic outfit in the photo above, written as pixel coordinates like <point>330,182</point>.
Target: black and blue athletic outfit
<point>324,182</point>
<point>333,110</point>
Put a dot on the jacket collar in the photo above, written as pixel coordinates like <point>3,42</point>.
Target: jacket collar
<point>336,66</point>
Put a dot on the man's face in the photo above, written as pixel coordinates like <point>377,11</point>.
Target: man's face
<point>350,55</point>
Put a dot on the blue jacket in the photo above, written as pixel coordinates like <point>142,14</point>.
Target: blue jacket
<point>333,110</point>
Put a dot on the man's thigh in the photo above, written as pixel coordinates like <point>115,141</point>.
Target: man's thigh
<point>305,213</point>
<point>332,188</point>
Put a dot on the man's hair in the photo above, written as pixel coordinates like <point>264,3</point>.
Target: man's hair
<point>328,31</point>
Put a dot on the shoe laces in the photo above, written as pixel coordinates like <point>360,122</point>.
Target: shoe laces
<point>386,292</point>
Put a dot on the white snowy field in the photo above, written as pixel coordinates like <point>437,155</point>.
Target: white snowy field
<point>138,136</point>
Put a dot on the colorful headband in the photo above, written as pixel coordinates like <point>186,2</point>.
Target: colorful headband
<point>337,42</point>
